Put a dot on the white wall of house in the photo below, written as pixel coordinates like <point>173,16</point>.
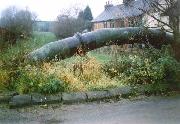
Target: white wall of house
<point>166,20</point>
<point>149,21</point>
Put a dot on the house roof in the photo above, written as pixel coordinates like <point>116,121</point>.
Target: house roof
<point>122,11</point>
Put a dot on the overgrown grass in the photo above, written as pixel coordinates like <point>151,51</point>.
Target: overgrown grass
<point>52,77</point>
<point>13,57</point>
<point>64,76</point>
<point>156,69</point>
<point>102,58</point>
<point>84,74</point>
<point>22,47</point>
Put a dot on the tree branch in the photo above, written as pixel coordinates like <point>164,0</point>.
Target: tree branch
<point>156,18</point>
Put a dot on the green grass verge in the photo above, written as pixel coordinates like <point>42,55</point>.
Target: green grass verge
<point>96,71</point>
<point>51,77</point>
<point>13,57</point>
<point>25,46</point>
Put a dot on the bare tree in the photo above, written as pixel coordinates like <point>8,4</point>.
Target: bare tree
<point>68,24</point>
<point>20,22</point>
<point>170,9</point>
<point>164,8</point>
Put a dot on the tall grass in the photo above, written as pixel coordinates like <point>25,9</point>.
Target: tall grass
<point>94,71</point>
<point>13,57</point>
<point>88,76</point>
<point>22,47</point>
<point>17,75</point>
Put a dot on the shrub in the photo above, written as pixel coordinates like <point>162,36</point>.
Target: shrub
<point>33,79</point>
<point>6,38</point>
<point>78,78</point>
<point>13,67</point>
<point>4,79</point>
<point>51,85</point>
<point>68,23</point>
<point>67,26</point>
<point>155,68</point>
<point>87,76</point>
<point>18,22</point>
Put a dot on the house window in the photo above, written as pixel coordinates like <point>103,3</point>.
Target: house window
<point>131,22</point>
<point>122,23</point>
<point>105,24</point>
<point>112,25</point>
<point>136,21</point>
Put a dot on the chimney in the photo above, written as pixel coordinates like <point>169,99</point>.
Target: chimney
<point>108,5</point>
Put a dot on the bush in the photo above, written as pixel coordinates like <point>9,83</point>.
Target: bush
<point>13,65</point>
<point>80,74</point>
<point>70,23</point>
<point>32,79</point>
<point>152,67</point>
<point>67,26</point>
<point>6,38</point>
<point>51,85</point>
<point>18,22</point>
<point>4,79</point>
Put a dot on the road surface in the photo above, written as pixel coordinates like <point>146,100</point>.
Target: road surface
<point>151,110</point>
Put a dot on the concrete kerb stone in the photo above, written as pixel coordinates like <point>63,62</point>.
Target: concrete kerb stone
<point>5,97</point>
<point>20,100</point>
<point>37,98</point>
<point>94,95</point>
<point>54,98</point>
<point>74,97</point>
<point>34,99</point>
<point>119,91</point>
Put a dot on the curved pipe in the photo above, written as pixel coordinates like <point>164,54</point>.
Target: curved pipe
<point>92,40</point>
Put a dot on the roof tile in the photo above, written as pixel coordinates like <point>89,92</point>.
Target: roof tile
<point>122,11</point>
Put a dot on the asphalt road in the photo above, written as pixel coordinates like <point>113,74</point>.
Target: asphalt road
<point>151,110</point>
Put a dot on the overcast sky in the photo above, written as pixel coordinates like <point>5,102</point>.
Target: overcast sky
<point>49,9</point>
